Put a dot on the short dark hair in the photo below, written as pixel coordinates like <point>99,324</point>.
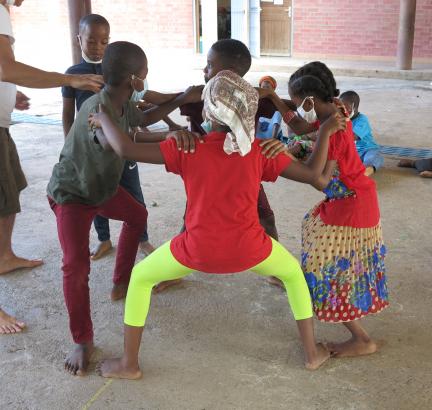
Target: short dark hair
<point>91,19</point>
<point>234,54</point>
<point>352,97</point>
<point>120,61</point>
<point>320,70</point>
<point>309,85</point>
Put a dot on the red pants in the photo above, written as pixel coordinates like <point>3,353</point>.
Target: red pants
<point>73,226</point>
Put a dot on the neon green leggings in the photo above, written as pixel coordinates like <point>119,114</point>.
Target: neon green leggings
<point>161,266</point>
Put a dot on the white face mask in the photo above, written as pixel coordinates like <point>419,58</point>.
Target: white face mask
<point>139,95</point>
<point>352,111</point>
<point>85,57</point>
<point>10,2</point>
<point>309,116</point>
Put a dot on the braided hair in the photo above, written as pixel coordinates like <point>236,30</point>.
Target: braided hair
<point>320,71</point>
<point>309,85</point>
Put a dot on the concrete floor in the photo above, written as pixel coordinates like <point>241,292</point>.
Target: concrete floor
<point>227,342</point>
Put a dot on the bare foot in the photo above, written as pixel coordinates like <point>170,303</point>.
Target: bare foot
<point>160,287</point>
<point>101,250</point>
<point>119,291</point>
<point>273,280</point>
<point>406,163</point>
<point>14,262</point>
<point>8,324</point>
<point>115,369</point>
<point>146,247</point>
<point>369,171</point>
<point>78,360</point>
<point>352,347</point>
<point>426,174</point>
<point>321,357</point>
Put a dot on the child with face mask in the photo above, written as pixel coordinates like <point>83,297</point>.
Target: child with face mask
<point>366,146</point>
<point>85,183</point>
<point>93,38</point>
<point>232,165</point>
<point>342,246</point>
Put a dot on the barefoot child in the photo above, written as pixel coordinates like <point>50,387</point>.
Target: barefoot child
<point>366,146</point>
<point>230,54</point>
<point>423,166</point>
<point>93,38</point>
<point>85,182</point>
<point>342,246</point>
<point>221,199</point>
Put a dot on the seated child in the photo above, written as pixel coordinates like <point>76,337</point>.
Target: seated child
<point>223,233</point>
<point>423,166</point>
<point>367,148</point>
<point>85,183</point>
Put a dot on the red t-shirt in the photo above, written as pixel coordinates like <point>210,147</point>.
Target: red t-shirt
<point>223,233</point>
<point>362,209</point>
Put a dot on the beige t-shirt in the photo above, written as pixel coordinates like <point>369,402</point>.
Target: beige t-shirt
<point>7,90</point>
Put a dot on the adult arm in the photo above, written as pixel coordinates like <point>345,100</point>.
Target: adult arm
<point>311,171</point>
<point>68,114</point>
<point>12,71</point>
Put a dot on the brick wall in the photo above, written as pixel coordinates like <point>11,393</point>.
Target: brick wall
<point>42,28</point>
<point>321,27</point>
<point>357,27</point>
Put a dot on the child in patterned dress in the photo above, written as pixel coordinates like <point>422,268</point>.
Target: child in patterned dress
<point>342,246</point>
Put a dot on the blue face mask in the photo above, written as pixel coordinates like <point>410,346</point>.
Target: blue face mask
<point>206,126</point>
<point>139,95</point>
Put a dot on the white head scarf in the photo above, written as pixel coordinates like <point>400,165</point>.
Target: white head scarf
<point>230,100</point>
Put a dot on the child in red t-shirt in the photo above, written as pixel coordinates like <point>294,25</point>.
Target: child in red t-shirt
<point>221,197</point>
<point>342,246</point>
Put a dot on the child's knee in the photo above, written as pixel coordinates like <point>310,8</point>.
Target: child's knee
<point>139,276</point>
<point>290,271</point>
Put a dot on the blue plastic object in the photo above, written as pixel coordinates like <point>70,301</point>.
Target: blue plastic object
<point>265,128</point>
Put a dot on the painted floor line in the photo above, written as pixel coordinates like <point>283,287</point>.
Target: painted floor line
<point>97,394</point>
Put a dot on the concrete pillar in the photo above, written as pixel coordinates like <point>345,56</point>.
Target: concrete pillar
<point>406,34</point>
<point>77,9</point>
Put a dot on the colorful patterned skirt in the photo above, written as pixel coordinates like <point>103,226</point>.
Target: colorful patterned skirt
<point>344,269</point>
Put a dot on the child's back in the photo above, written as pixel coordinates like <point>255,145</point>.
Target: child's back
<point>222,200</point>
<point>363,131</point>
<point>360,207</point>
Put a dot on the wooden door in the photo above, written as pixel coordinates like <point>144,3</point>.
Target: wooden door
<point>276,23</point>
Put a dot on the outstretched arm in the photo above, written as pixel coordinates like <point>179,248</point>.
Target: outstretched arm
<point>12,71</point>
<point>297,124</point>
<point>155,114</point>
<point>310,172</point>
<point>156,98</point>
<point>121,143</point>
